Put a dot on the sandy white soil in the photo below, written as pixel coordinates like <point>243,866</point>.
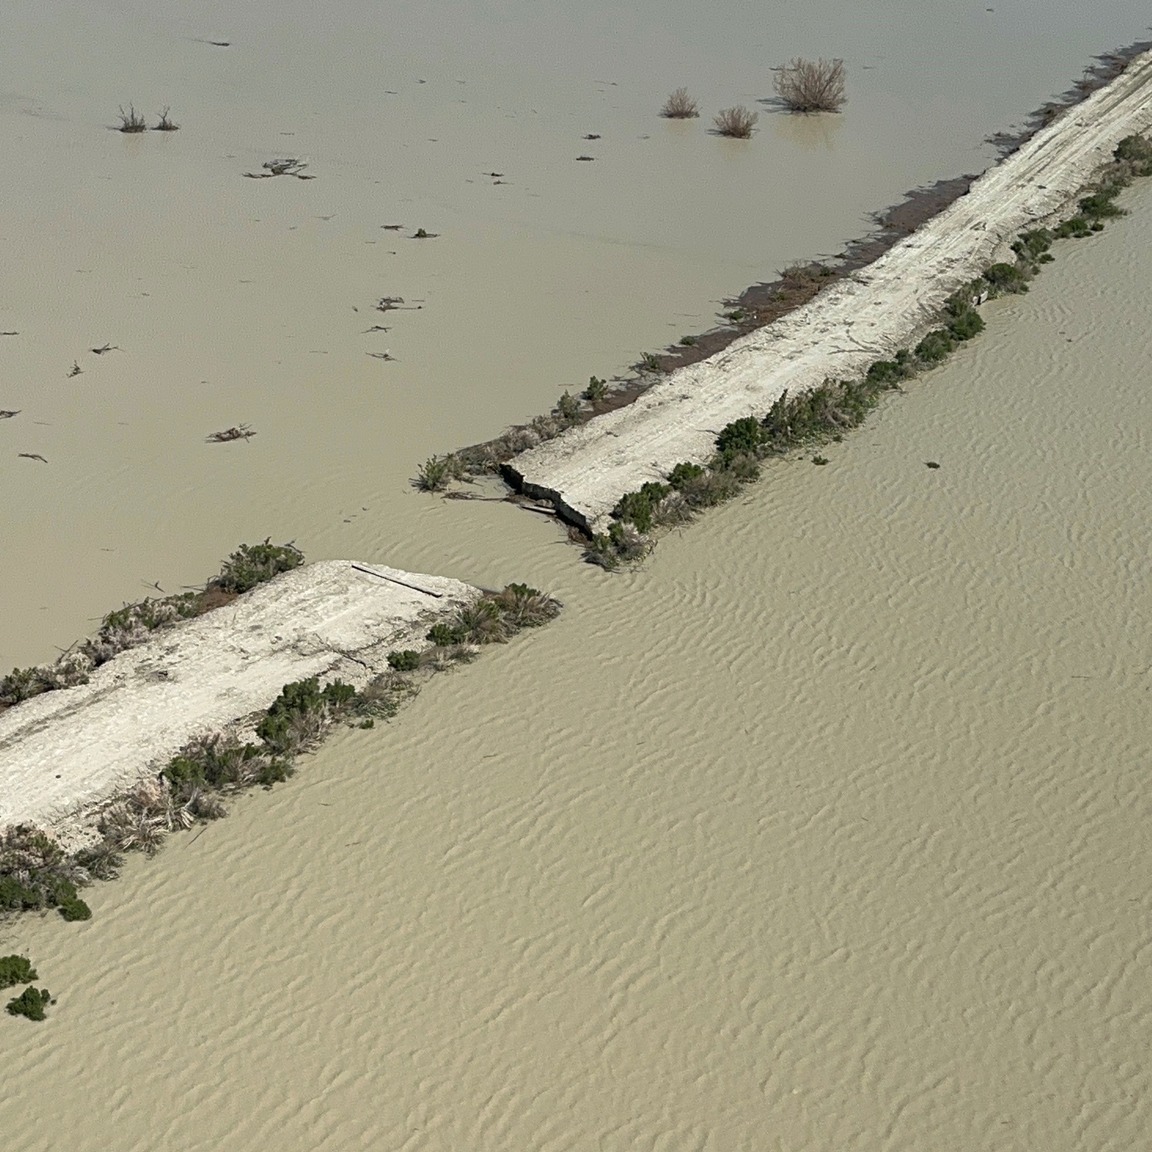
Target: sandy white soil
<point>862,318</point>
<point>64,752</point>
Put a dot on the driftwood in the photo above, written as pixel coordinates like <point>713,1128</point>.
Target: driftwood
<point>8,413</point>
<point>240,432</point>
<point>285,167</point>
<point>31,456</point>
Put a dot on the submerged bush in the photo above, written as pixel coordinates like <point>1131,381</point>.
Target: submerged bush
<point>737,123</point>
<point>811,85</point>
<point>680,106</point>
<point>30,1003</point>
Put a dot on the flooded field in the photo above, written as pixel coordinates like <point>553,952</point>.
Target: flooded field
<point>826,829</point>
<point>228,301</point>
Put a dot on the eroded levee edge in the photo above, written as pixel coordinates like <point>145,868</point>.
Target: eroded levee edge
<point>65,753</point>
<point>866,316</point>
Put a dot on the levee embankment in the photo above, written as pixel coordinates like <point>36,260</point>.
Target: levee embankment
<point>66,751</point>
<point>861,318</point>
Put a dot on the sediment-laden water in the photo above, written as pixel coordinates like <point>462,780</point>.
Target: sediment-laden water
<point>824,830</point>
<point>230,301</point>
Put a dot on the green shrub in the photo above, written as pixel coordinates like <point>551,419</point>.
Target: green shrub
<point>444,635</point>
<point>218,762</point>
<point>1005,278</point>
<point>966,325</point>
<point>24,683</point>
<point>884,373</point>
<point>405,661</point>
<point>1075,228</point>
<point>1031,245</point>
<point>1100,205</point>
<point>16,896</point>
<point>568,407</point>
<point>935,347</point>
<point>30,1003</point>
<point>743,435</point>
<point>253,564</point>
<point>639,508</point>
<point>1136,152</point>
<point>74,908</point>
<point>16,970</point>
<point>597,389</point>
<point>435,474</point>
<point>684,474</point>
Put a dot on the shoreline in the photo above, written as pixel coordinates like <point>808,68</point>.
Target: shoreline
<point>583,472</point>
<point>65,753</point>
<point>759,307</point>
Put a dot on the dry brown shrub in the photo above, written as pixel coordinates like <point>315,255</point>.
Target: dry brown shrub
<point>736,122</point>
<point>680,106</point>
<point>811,85</point>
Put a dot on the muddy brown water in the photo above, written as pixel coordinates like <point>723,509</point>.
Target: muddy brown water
<point>824,830</point>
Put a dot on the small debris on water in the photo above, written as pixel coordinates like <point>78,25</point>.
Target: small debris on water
<point>931,464</point>
<point>239,432</point>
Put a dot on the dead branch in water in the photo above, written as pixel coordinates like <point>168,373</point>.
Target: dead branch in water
<point>240,432</point>
<point>288,166</point>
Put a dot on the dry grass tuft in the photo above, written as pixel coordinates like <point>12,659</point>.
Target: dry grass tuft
<point>811,85</point>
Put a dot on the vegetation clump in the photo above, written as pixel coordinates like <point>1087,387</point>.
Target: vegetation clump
<point>254,564</point>
<point>680,106</point>
<point>737,123</point>
<point>36,873</point>
<point>131,121</point>
<point>811,85</point>
<point>30,1003</point>
<point>596,391</point>
<point>405,661</point>
<point>131,625</point>
<point>164,122</point>
<point>16,970</point>
<point>436,473</point>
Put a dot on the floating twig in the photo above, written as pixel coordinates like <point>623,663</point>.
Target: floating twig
<point>240,432</point>
<point>377,328</point>
<point>382,355</point>
<point>105,348</point>
<point>31,456</point>
<point>75,370</point>
<point>391,227</point>
<point>287,166</point>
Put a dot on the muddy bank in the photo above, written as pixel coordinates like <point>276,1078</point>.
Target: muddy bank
<point>864,317</point>
<point>65,751</point>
